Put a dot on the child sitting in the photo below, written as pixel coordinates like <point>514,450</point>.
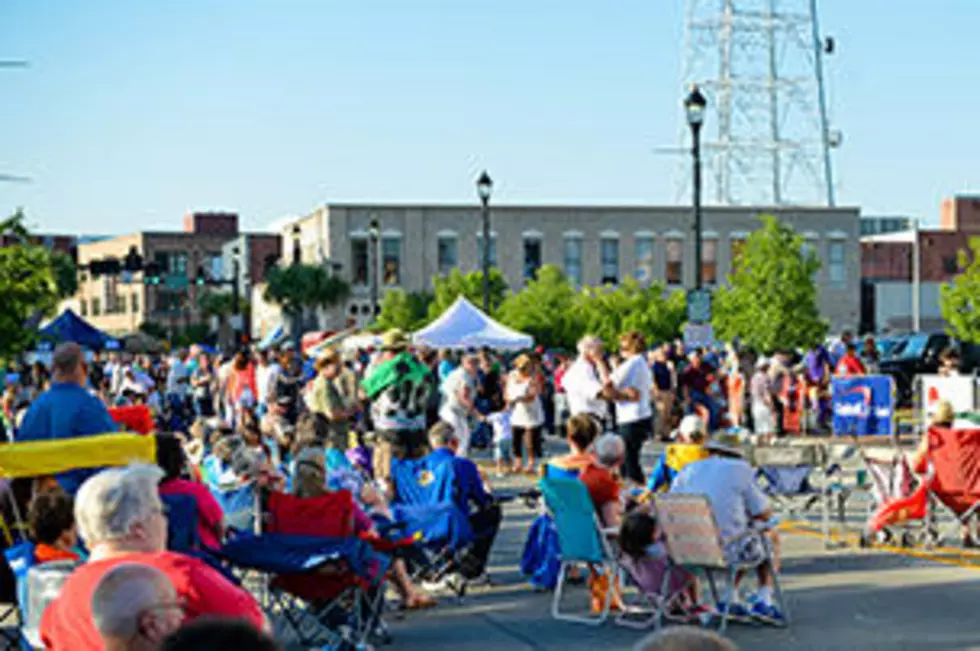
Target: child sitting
<point>503,437</point>
<point>645,558</point>
<point>52,525</point>
<point>688,449</point>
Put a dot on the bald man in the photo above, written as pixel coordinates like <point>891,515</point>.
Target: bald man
<point>135,607</point>
<point>67,409</point>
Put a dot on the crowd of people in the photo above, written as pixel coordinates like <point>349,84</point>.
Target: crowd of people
<point>338,419</point>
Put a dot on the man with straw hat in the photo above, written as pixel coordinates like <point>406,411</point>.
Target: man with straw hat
<point>396,384</point>
<point>728,481</point>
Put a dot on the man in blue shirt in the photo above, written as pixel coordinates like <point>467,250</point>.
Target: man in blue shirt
<point>485,518</point>
<point>67,410</point>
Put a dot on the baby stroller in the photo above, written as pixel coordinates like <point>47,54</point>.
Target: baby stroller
<point>952,478</point>
<point>899,510</point>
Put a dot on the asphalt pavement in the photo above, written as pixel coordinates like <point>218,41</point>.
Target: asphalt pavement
<point>839,598</point>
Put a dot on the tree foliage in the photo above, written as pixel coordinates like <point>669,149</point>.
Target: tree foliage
<point>608,312</point>
<point>28,287</point>
<point>960,300</point>
<point>298,287</point>
<point>221,304</point>
<point>65,274</point>
<point>446,289</point>
<point>405,310</point>
<point>544,309</point>
<point>771,301</point>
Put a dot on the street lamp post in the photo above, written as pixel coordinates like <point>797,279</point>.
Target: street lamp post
<point>373,237</point>
<point>694,105</point>
<point>235,290</point>
<point>484,187</point>
<point>297,314</point>
<point>296,246</point>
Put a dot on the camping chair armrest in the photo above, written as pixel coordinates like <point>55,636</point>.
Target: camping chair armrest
<point>755,530</point>
<point>610,532</point>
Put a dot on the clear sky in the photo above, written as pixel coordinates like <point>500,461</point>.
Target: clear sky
<point>134,112</point>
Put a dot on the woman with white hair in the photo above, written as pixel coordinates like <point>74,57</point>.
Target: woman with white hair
<point>122,520</point>
<point>585,380</point>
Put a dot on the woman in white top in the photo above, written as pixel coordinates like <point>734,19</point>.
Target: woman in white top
<point>632,389</point>
<point>523,396</point>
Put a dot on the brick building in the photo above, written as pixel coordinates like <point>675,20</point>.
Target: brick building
<point>887,267</point>
<point>122,304</point>
<point>64,243</point>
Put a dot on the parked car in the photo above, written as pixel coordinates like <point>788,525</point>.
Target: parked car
<point>918,354</point>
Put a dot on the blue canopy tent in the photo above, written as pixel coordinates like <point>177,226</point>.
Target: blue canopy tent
<point>68,326</point>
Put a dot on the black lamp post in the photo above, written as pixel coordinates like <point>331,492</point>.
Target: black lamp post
<point>235,288</point>
<point>694,106</point>
<point>373,237</point>
<point>484,188</point>
<point>296,249</point>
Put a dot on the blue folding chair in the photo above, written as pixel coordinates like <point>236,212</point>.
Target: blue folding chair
<point>798,478</point>
<point>36,586</point>
<point>238,504</point>
<point>182,523</point>
<point>541,557</point>
<point>581,539</point>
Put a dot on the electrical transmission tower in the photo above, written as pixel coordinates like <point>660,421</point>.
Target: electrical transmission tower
<point>766,138</point>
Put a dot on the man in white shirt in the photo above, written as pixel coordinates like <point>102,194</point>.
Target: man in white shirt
<point>177,376</point>
<point>459,393</point>
<point>728,481</point>
<point>632,389</point>
<point>265,381</point>
<point>585,380</point>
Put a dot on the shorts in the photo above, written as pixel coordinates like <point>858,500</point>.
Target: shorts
<point>751,551</point>
<point>502,451</point>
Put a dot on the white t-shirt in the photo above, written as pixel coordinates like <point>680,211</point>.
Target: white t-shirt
<point>265,381</point>
<point>525,414</point>
<point>177,378</point>
<point>451,388</point>
<point>633,374</point>
<point>582,385</point>
<point>500,422</point>
<point>730,486</point>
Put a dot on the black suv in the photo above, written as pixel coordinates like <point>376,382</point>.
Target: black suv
<point>918,354</point>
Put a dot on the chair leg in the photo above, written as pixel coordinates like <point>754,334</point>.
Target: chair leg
<point>780,597</point>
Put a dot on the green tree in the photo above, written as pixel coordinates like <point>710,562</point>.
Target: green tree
<point>65,274</point>
<point>545,309</point>
<point>960,300</point>
<point>28,287</point>
<point>300,287</point>
<point>405,310</point>
<point>221,304</point>
<point>446,289</point>
<point>771,301</point>
<point>608,312</point>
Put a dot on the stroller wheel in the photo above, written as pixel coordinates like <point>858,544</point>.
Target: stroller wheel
<point>907,540</point>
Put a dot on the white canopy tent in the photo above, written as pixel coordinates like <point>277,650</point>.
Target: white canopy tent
<point>464,326</point>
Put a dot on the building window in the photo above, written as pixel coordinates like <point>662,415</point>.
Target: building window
<point>950,264</point>
<point>609,256</point>
<point>448,257</point>
<point>391,256</point>
<point>644,258</point>
<point>96,307</point>
<point>532,257</point>
<point>573,259</point>
<point>83,307</point>
<point>709,262</point>
<point>836,268</point>
<point>359,261</point>
<point>675,261</point>
<point>736,247</point>
<point>493,249</point>
<point>134,303</point>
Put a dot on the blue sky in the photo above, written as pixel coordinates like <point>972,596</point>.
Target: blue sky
<point>133,113</point>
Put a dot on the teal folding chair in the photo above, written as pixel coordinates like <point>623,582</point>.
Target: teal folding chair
<point>581,539</point>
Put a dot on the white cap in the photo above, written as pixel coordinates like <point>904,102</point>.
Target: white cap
<point>762,361</point>
<point>690,424</point>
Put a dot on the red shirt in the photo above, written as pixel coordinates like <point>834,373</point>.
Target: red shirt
<point>603,487</point>
<point>67,622</point>
<point>209,514</point>
<point>849,365</point>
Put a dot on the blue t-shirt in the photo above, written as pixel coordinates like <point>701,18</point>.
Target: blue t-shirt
<point>66,411</point>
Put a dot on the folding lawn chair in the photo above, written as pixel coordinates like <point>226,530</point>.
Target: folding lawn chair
<point>582,541</point>
<point>695,544</point>
<point>39,460</point>
<point>322,584</point>
<point>427,506</point>
<point>799,477</point>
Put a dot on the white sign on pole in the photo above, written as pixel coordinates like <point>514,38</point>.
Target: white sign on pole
<point>957,389</point>
<point>698,335</point>
<point>237,322</point>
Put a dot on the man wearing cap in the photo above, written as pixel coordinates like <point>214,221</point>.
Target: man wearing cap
<point>688,449</point>
<point>739,506</point>
<point>325,399</point>
<point>398,388</point>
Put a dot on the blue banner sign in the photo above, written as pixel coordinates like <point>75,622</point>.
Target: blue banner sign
<point>864,405</point>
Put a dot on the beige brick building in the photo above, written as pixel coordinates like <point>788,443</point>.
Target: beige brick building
<point>593,244</point>
<point>122,304</point>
